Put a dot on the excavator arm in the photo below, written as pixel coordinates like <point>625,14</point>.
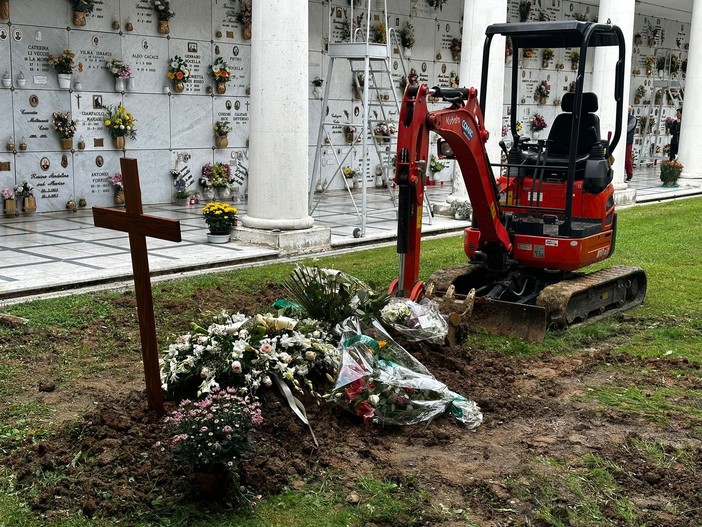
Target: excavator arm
<point>461,127</point>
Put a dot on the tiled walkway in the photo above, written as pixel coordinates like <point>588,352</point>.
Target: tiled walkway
<point>54,252</point>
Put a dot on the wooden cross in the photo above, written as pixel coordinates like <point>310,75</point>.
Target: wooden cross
<point>139,225</point>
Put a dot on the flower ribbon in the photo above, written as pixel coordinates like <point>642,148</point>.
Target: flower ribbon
<point>364,339</point>
<point>295,405</point>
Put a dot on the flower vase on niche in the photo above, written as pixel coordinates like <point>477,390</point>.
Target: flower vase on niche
<point>119,142</point>
<point>246,32</point>
<point>64,80</point>
<point>221,141</point>
<point>119,84</point>
<point>221,87</point>
<point>79,18</point>
<point>163,27</point>
<point>10,207</point>
<point>178,86</point>
<point>4,9</point>
<point>119,198</point>
<point>224,193</point>
<point>29,204</point>
<point>66,143</point>
<point>209,193</point>
<point>131,84</point>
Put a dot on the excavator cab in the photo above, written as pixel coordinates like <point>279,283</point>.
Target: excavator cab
<point>539,216</point>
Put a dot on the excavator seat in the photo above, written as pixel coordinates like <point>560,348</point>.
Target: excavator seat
<point>589,126</point>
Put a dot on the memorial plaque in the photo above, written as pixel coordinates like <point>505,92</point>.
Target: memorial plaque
<point>189,163</point>
<point>342,83</point>
<point>5,53</point>
<point>104,13</point>
<point>225,28</point>
<point>6,116</point>
<point>191,123</point>
<point>93,50</point>
<point>239,161</point>
<point>88,109</point>
<point>198,55</point>
<point>239,136</point>
<point>34,123</point>
<point>41,13</point>
<point>53,183</point>
<point>155,176</point>
<point>7,176</point>
<point>239,59</point>
<point>317,17</point>
<point>148,57</point>
<point>153,129</point>
<point>91,172</point>
<point>425,45</point>
<point>31,47</point>
<point>192,20</point>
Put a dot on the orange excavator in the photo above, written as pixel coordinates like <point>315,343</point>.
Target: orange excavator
<point>539,217</point>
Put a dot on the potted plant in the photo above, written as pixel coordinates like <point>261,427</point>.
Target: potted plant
<point>64,65</point>
<point>538,123</point>
<point>220,73</point>
<point>181,194</point>
<point>461,209</point>
<point>243,16</point>
<point>220,217</point>
<point>407,39</point>
<point>179,73</point>
<point>117,183</point>
<point>120,124</point>
<point>10,202</point>
<point>546,56</point>
<point>221,130</point>
<point>80,9</point>
<point>65,127</point>
<point>164,14</point>
<point>670,172</point>
<point>26,191</point>
<point>542,91</point>
<point>574,59</point>
<point>120,71</point>
<point>456,49</point>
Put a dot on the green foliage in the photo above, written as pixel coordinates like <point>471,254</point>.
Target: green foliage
<point>332,296</point>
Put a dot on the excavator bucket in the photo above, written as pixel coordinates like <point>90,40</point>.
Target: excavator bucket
<point>509,319</point>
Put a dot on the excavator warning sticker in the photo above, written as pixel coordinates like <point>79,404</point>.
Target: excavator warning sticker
<point>552,243</point>
<point>539,251</point>
<point>467,130</point>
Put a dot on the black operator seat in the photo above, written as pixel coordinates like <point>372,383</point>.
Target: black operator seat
<point>589,127</point>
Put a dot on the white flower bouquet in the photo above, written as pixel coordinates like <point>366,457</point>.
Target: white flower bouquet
<point>416,321</point>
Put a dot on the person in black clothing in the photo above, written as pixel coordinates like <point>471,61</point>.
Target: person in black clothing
<point>675,133</point>
<point>630,129</point>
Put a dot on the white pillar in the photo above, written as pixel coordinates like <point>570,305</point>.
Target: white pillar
<point>476,18</point>
<point>621,13</point>
<point>689,152</point>
<point>278,170</point>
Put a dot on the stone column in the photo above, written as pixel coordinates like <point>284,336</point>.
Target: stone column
<point>476,18</point>
<point>689,152</point>
<point>621,13</point>
<point>278,171</point>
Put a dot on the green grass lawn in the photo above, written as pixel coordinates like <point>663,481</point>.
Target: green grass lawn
<point>663,239</point>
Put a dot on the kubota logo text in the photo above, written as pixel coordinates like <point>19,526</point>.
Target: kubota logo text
<point>452,119</point>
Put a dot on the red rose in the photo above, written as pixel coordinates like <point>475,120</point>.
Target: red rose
<point>365,410</point>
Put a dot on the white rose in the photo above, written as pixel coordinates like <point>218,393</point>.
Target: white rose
<point>267,381</point>
<point>374,399</point>
<point>285,357</point>
<point>310,355</point>
<point>236,366</point>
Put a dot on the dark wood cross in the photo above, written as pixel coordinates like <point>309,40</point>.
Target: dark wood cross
<point>139,225</point>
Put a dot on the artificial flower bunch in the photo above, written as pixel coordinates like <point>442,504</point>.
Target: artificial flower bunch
<point>8,193</point>
<point>178,69</point>
<point>220,70</point>
<point>538,122</point>
<point>64,125</point>
<point>116,181</point>
<point>24,189</point>
<point>216,176</point>
<point>222,128</point>
<point>163,9</point>
<point>64,63</point>
<point>212,433</point>
<point>543,89</point>
<point>85,6</point>
<point>349,172</point>
<point>251,352</point>
<point>118,69</point>
<point>119,122</point>
<point>384,129</point>
<point>219,217</point>
<point>243,16</point>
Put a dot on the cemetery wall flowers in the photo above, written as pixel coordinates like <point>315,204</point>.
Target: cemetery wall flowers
<point>178,69</point>
<point>119,122</point>
<point>220,70</point>
<point>118,69</point>
<point>163,9</point>
<point>64,125</point>
<point>116,181</point>
<point>217,175</point>
<point>64,63</point>
<point>219,217</point>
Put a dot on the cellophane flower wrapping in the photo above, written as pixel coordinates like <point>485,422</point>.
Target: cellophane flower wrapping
<point>415,321</point>
<point>381,382</point>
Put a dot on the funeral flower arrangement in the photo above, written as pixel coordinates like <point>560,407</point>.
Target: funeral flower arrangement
<point>163,9</point>
<point>349,172</point>
<point>8,193</point>
<point>119,122</point>
<point>178,69</point>
<point>24,189</point>
<point>543,90</point>
<point>64,125</point>
<point>220,70</point>
<point>384,130</point>
<point>249,353</point>
<point>215,176</point>
<point>219,217</point>
<point>416,321</point>
<point>64,63</point>
<point>212,433</point>
<point>118,69</point>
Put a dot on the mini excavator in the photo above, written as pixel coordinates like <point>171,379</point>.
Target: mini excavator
<point>548,213</point>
